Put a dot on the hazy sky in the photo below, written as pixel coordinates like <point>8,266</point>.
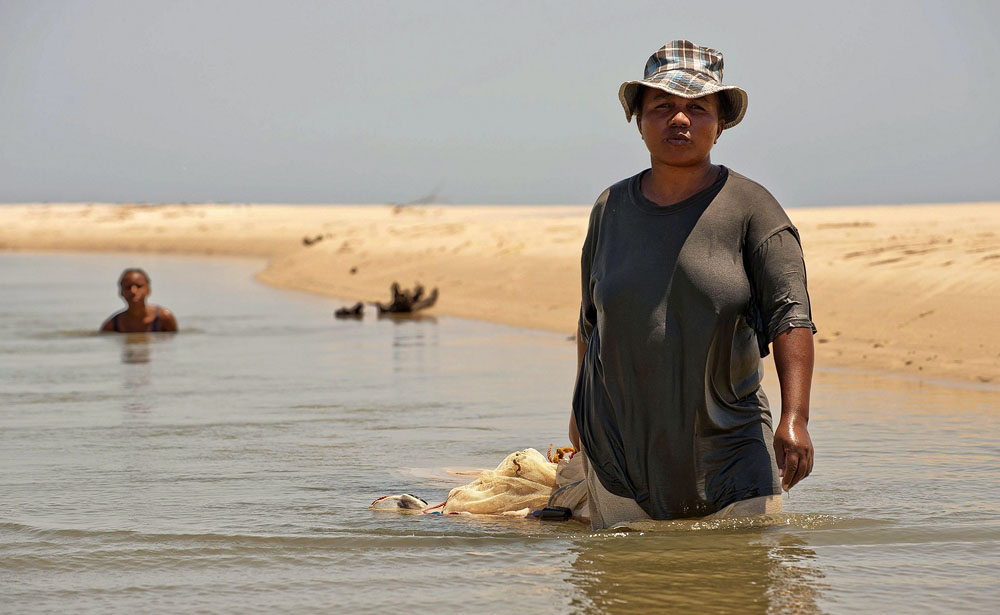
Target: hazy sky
<point>498,102</point>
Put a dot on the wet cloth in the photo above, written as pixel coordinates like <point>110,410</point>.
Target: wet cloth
<point>571,487</point>
<point>679,304</point>
<point>609,511</point>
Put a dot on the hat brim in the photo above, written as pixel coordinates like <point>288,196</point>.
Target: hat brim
<point>686,88</point>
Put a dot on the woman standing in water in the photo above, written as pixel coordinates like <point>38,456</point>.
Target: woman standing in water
<point>689,271</point>
<point>138,317</point>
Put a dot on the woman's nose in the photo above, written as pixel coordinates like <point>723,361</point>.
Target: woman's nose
<point>679,119</point>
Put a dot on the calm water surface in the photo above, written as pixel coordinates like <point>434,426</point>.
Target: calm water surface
<point>228,469</point>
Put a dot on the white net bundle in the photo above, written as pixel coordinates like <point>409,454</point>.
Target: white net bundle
<point>524,479</point>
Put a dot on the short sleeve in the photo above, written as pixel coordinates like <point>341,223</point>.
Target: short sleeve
<point>588,311</point>
<point>780,299</point>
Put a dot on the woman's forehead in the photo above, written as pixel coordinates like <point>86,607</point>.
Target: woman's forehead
<point>134,278</point>
<point>658,94</point>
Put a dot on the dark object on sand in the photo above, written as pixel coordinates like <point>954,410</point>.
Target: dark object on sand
<point>306,241</point>
<point>405,302</point>
<point>351,312</point>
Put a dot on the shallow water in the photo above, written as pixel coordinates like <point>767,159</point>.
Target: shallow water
<point>229,468</point>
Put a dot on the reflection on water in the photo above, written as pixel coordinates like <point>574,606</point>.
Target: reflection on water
<point>136,379</point>
<point>403,317</point>
<point>232,465</point>
<point>745,571</point>
<point>136,348</point>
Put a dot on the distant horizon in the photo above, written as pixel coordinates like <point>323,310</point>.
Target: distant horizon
<point>339,102</point>
<point>437,204</point>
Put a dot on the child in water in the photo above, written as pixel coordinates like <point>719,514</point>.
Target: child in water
<point>138,317</point>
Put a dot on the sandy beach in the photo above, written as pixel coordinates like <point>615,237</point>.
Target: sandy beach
<point>911,289</point>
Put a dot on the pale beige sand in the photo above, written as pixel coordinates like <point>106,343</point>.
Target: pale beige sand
<point>914,289</point>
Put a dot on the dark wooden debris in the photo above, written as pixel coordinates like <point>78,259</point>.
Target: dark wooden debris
<point>357,311</point>
<point>405,301</point>
<point>308,241</point>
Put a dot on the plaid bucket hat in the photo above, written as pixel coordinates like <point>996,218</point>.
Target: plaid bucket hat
<point>680,67</point>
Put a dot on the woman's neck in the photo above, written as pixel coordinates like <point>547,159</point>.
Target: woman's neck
<point>137,311</point>
<point>666,186</point>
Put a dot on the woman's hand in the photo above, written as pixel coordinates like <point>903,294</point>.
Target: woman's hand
<point>793,450</point>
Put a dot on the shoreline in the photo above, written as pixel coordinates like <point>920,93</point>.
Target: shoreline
<point>908,289</point>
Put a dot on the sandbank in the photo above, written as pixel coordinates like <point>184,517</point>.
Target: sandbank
<point>912,289</point>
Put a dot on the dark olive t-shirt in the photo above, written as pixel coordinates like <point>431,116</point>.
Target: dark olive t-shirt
<point>679,305</point>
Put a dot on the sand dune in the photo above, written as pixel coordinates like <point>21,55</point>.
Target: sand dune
<point>912,289</point>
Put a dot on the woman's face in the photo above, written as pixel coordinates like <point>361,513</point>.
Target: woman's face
<point>679,131</point>
<point>135,288</point>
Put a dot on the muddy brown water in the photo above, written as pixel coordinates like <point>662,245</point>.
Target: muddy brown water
<point>228,469</point>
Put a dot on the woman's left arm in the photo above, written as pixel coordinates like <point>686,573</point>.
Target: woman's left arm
<point>777,273</point>
<point>167,320</point>
<point>793,448</point>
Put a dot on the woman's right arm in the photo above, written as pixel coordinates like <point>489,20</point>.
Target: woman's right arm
<point>574,433</point>
<point>588,311</point>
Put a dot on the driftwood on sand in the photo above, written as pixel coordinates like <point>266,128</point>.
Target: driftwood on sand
<point>357,311</point>
<point>308,241</point>
<point>404,301</point>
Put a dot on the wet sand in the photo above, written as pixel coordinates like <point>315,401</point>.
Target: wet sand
<point>910,289</point>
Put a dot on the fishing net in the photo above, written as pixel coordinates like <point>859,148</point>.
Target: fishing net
<point>524,480</point>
